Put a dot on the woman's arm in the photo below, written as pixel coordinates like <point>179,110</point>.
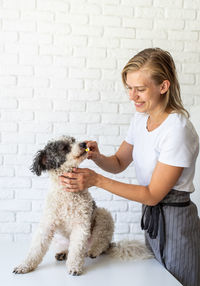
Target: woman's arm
<point>163,179</point>
<point>113,164</point>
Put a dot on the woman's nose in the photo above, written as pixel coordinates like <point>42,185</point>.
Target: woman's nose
<point>133,94</point>
<point>83,145</point>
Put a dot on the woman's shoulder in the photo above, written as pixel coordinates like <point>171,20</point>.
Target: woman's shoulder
<point>179,124</point>
<point>180,120</point>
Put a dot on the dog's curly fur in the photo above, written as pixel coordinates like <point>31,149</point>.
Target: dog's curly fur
<point>74,216</point>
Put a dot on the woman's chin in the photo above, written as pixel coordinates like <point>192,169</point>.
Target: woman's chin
<point>140,107</point>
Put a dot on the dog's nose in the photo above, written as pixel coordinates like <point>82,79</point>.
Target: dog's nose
<point>83,145</point>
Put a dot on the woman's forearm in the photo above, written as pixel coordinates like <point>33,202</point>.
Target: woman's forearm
<point>83,178</point>
<point>109,164</point>
<point>112,164</point>
<point>136,193</point>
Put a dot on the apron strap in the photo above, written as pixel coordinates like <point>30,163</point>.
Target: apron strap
<point>151,223</point>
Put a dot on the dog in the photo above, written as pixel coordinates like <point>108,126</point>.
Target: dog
<point>73,215</point>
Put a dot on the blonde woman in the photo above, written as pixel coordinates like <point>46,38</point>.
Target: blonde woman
<point>163,144</point>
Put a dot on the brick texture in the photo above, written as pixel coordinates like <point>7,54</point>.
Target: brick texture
<point>60,73</point>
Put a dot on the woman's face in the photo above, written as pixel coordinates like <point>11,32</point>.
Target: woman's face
<point>144,92</point>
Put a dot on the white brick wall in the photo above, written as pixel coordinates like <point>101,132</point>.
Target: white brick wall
<point>60,65</point>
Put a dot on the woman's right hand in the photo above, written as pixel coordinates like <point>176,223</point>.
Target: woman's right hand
<point>93,152</point>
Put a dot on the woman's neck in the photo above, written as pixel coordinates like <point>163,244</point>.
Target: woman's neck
<point>156,119</point>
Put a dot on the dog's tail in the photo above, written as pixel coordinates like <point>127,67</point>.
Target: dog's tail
<point>129,249</point>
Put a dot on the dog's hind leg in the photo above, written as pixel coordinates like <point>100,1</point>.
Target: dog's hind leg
<point>39,247</point>
<point>101,234</point>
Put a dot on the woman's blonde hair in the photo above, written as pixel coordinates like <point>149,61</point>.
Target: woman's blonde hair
<point>161,66</point>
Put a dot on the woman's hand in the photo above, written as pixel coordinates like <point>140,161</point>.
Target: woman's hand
<point>93,152</point>
<point>79,180</point>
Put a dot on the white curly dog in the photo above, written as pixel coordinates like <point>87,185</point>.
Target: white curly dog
<point>75,216</point>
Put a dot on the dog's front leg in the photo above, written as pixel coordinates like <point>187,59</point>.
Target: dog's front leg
<point>39,247</point>
<point>77,249</point>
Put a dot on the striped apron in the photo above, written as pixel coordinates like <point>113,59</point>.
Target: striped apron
<point>172,232</point>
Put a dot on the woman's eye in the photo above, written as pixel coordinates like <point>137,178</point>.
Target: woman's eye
<point>141,90</point>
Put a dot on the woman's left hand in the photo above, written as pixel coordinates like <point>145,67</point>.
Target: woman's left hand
<point>79,180</point>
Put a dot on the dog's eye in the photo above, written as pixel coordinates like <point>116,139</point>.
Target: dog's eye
<point>66,148</point>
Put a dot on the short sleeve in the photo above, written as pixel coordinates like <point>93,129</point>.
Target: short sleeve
<point>130,134</point>
<point>179,147</point>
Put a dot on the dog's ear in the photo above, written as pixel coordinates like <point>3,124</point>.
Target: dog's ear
<point>39,163</point>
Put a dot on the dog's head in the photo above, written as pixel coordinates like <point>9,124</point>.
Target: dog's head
<point>63,153</point>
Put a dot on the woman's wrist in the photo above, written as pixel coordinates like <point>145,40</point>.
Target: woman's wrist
<point>98,159</point>
<point>98,179</point>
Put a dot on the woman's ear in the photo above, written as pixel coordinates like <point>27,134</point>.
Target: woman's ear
<point>39,163</point>
<point>164,86</point>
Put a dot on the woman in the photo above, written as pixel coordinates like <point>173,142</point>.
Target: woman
<point>164,146</point>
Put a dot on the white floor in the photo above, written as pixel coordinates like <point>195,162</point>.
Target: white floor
<point>101,271</point>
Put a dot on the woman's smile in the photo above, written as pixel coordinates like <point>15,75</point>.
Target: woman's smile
<point>139,104</point>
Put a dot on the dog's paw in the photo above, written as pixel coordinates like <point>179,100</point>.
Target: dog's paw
<point>93,253</point>
<point>75,271</point>
<point>61,256</point>
<point>91,256</point>
<point>22,269</point>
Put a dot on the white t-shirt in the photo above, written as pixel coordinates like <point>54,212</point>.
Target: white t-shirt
<point>175,142</point>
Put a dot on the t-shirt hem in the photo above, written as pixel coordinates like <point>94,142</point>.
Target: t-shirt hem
<point>176,164</point>
<point>129,142</point>
<point>182,190</point>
